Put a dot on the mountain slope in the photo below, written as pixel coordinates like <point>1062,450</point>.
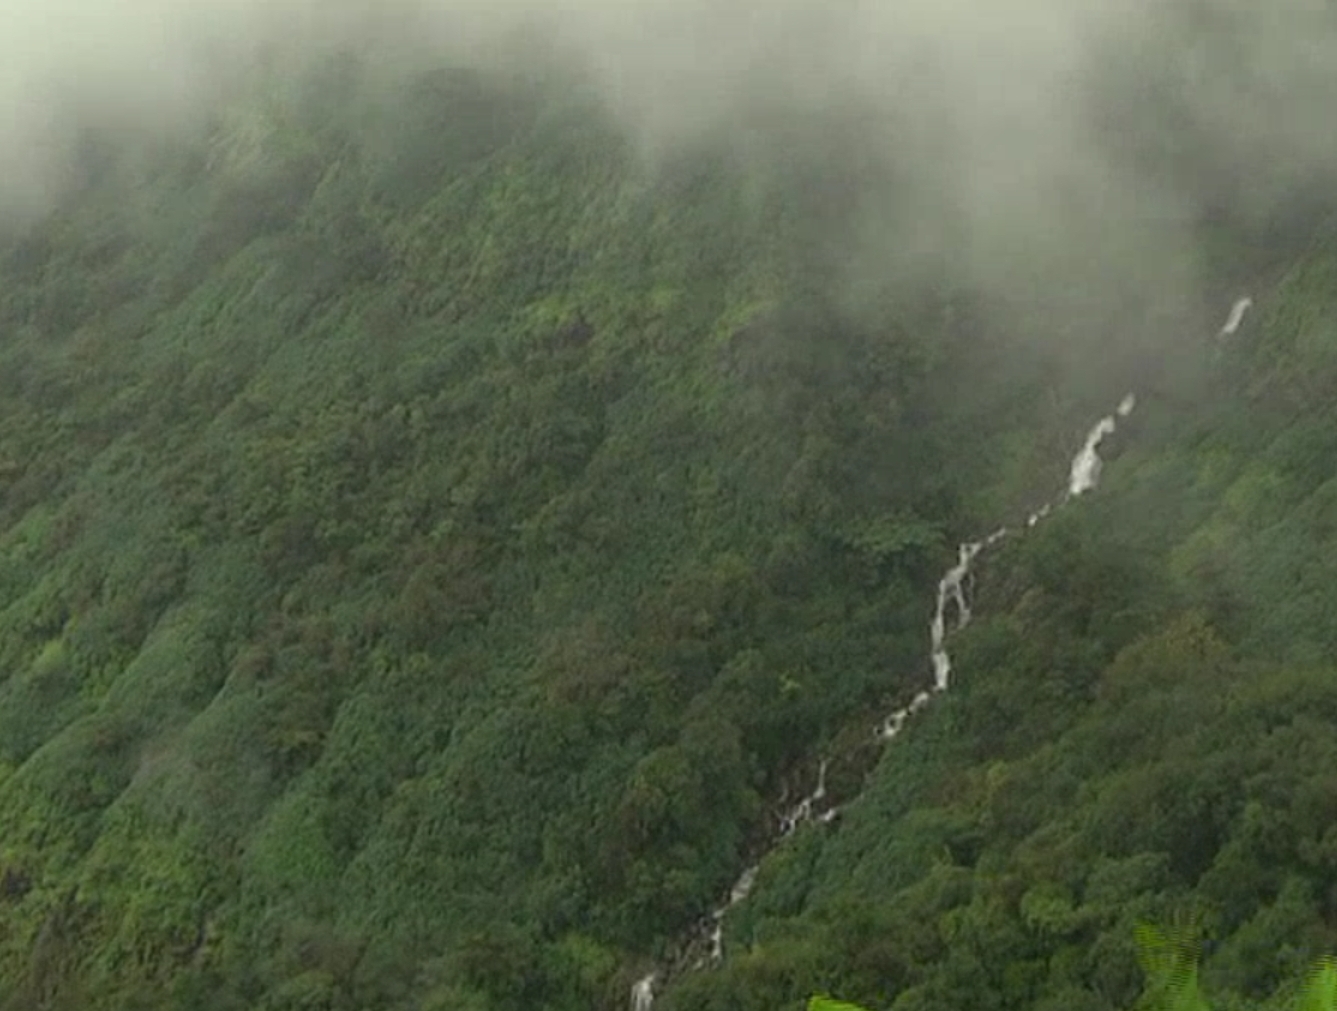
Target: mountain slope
<point>428,545</point>
<point>1140,728</point>
<point>434,541</point>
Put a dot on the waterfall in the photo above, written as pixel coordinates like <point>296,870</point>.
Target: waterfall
<point>643,994</point>
<point>1085,472</point>
<point>1236,317</point>
<point>803,810</point>
<point>1083,476</point>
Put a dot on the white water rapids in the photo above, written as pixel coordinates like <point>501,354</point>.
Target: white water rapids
<point>1083,476</point>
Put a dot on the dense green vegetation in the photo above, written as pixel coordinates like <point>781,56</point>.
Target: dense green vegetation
<point>432,541</point>
<point>1170,960</point>
<point>1141,728</point>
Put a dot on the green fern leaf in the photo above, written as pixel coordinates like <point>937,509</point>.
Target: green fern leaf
<point>819,1003</point>
<point>1320,989</point>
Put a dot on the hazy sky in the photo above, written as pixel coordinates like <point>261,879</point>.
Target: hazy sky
<point>994,106</point>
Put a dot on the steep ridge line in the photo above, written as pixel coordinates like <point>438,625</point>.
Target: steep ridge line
<point>1083,476</point>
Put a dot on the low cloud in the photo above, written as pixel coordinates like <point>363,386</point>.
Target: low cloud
<point>1037,144</point>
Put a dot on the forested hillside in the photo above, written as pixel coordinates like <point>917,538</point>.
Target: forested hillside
<point>436,541</point>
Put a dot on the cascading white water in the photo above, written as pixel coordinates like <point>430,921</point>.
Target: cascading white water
<point>740,891</point>
<point>1086,465</point>
<point>803,810</point>
<point>743,886</point>
<point>643,994</point>
<point>1083,476</point>
<point>1236,317</point>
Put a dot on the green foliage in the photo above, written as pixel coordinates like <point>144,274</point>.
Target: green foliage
<point>819,1003</point>
<point>424,521</point>
<point>1170,961</point>
<point>1320,988</point>
<point>1171,966</point>
<point>1137,731</point>
<point>433,544</point>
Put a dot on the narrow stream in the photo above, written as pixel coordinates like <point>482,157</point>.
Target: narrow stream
<point>1083,476</point>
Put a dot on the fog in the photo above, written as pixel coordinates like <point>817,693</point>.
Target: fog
<point>1037,143</point>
